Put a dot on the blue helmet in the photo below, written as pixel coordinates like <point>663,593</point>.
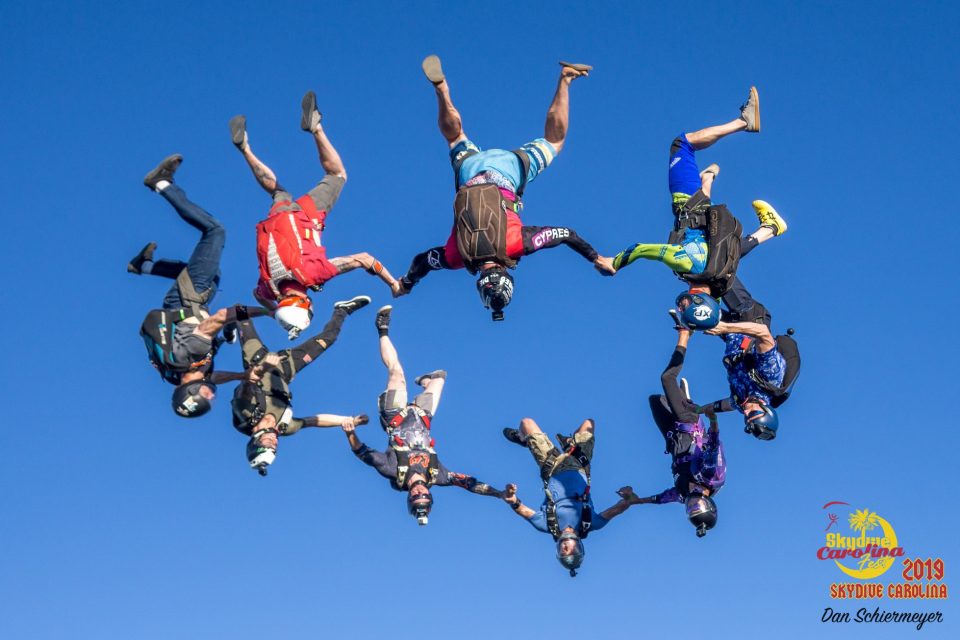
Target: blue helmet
<point>698,311</point>
<point>762,423</point>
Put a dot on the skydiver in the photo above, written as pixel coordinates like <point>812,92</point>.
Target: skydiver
<point>755,372</point>
<point>410,462</point>
<point>691,190</point>
<point>699,465</point>
<point>262,402</point>
<point>567,511</point>
<point>182,336</point>
<point>488,236</point>
<point>292,258</point>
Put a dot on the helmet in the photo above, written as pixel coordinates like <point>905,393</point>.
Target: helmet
<point>496,290</point>
<point>762,423</point>
<point>259,455</point>
<point>573,560</point>
<point>294,314</point>
<point>702,513</point>
<point>419,506</point>
<point>698,311</point>
<point>189,403</point>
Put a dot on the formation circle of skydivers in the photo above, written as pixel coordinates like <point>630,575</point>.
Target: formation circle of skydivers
<point>488,239</point>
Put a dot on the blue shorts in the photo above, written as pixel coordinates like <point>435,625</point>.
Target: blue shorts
<point>502,167</point>
<point>683,174</point>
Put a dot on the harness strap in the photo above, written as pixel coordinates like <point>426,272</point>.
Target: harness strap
<point>189,296</point>
<point>525,169</point>
<point>693,212</point>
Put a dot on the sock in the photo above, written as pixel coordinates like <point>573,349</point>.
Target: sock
<point>146,267</point>
<point>384,332</point>
<point>161,185</point>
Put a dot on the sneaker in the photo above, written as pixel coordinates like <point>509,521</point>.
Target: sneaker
<point>769,217</point>
<point>146,254</point>
<point>383,317</point>
<point>310,117</point>
<point>432,69</point>
<point>713,168</point>
<point>163,171</point>
<point>230,333</point>
<point>439,373</point>
<point>584,69</point>
<point>513,435</point>
<point>353,304</point>
<point>750,111</point>
<point>238,131</point>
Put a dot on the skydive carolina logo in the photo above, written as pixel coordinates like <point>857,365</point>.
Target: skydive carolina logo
<point>864,550</point>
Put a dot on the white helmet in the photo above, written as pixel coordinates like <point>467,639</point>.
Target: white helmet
<point>294,314</point>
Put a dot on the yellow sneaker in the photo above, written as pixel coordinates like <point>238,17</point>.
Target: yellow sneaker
<point>769,217</point>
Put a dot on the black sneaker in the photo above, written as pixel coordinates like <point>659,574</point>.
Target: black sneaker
<point>136,263</point>
<point>513,435</point>
<point>230,333</point>
<point>311,116</point>
<point>163,171</point>
<point>383,318</point>
<point>238,131</point>
<point>352,304</point>
<point>422,380</point>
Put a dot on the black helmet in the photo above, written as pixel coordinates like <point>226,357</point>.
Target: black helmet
<point>702,513</point>
<point>496,289</point>
<point>187,401</point>
<point>419,506</point>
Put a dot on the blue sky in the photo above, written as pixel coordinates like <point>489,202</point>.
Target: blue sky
<point>123,521</point>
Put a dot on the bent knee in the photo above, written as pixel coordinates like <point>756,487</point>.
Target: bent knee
<point>527,425</point>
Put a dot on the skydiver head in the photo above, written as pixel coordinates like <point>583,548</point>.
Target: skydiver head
<point>701,512</point>
<point>759,419</point>
<point>194,396</point>
<point>495,286</point>
<point>570,551</point>
<point>419,501</point>
<point>294,309</point>
<point>698,310</point>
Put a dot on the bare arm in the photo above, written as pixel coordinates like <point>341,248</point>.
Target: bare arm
<point>333,420</point>
<point>765,341</point>
<point>210,327</point>
<point>627,498</point>
<point>370,264</point>
<point>510,497</point>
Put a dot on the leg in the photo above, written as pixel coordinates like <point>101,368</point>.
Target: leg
<point>309,350</point>
<point>396,381</point>
<point>672,255</point>
<point>537,442</point>
<point>558,115</point>
<point>429,400</point>
<point>329,158</point>
<point>204,263</point>
<point>250,343</point>
<point>706,137</point>
<point>264,175</point>
<point>662,415</point>
<point>448,118</point>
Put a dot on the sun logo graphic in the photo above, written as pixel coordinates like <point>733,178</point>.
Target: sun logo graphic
<point>866,549</point>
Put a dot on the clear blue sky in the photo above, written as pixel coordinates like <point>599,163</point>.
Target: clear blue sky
<point>122,521</point>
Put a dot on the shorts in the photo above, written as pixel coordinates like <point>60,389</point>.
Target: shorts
<point>394,400</point>
<point>499,166</point>
<point>541,447</point>
<point>683,174</point>
<point>189,346</point>
<point>324,195</point>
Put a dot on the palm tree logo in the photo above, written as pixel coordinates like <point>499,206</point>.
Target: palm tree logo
<point>863,521</point>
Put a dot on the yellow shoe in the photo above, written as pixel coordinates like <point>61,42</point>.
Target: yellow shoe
<point>769,217</point>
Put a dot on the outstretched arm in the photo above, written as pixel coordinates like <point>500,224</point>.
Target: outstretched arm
<point>765,341</point>
<point>423,263</point>
<point>371,265</point>
<point>210,327</point>
<point>627,498</point>
<point>537,238</point>
<point>510,497</point>
<point>219,377</point>
<point>470,483</point>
